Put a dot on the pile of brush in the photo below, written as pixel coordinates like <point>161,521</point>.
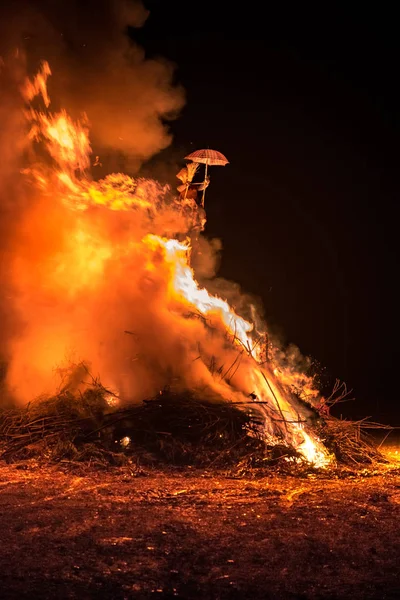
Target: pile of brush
<point>173,428</point>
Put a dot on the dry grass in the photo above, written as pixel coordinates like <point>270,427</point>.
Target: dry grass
<point>52,426</point>
<point>349,441</point>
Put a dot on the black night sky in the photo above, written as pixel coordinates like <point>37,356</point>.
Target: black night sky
<point>304,105</point>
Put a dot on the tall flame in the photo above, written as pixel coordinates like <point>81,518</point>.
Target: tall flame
<point>102,272</point>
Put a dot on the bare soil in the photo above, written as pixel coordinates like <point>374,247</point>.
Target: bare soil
<point>120,533</point>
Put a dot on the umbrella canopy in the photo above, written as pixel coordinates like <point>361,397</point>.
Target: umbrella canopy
<point>208,157</point>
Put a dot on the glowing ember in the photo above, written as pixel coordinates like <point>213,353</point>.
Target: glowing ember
<point>125,441</point>
<point>102,274</point>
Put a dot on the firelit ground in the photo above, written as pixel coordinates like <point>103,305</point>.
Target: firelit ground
<point>191,534</point>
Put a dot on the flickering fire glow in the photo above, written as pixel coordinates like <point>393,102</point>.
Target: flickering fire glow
<point>102,273</point>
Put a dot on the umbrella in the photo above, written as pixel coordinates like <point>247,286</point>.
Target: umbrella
<point>207,157</point>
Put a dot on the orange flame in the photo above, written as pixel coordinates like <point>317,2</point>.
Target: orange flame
<point>98,258</point>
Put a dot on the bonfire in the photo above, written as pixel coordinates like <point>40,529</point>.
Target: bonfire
<point>122,350</point>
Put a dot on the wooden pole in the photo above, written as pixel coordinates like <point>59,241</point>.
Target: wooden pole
<point>204,191</point>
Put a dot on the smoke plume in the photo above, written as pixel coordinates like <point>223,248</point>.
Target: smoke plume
<point>97,69</point>
<point>99,72</point>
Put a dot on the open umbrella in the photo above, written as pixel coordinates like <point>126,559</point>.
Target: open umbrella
<point>207,157</point>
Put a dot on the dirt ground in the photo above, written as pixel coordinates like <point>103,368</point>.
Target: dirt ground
<point>121,533</point>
